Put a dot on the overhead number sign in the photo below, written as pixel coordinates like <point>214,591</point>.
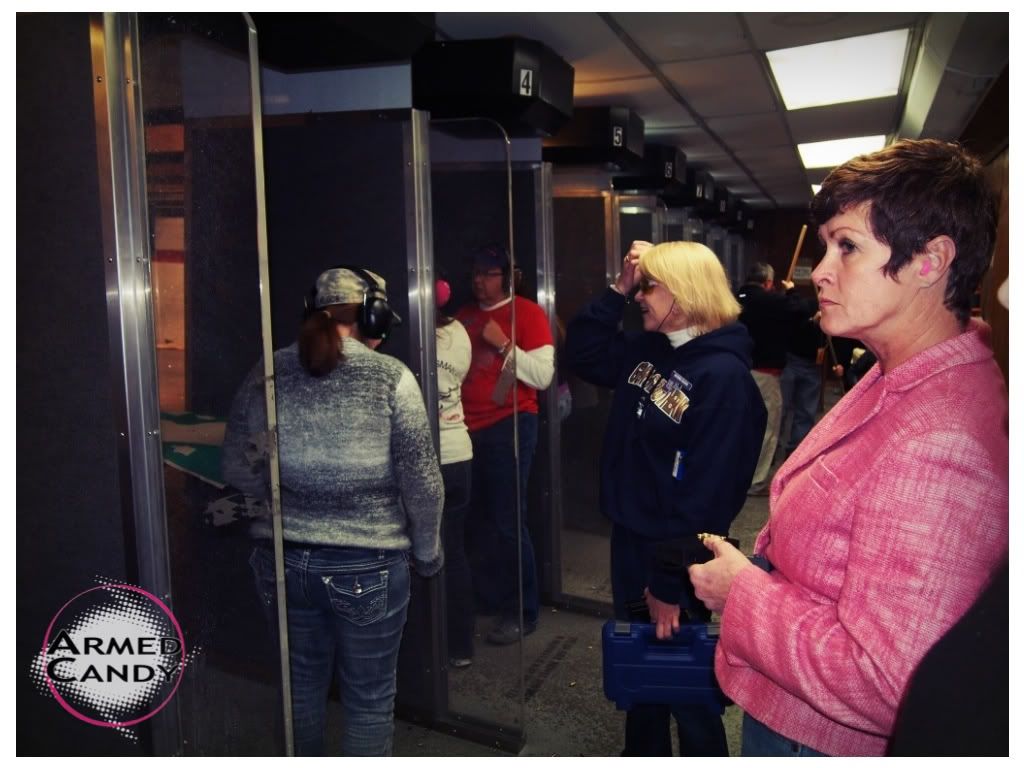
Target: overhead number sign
<point>526,82</point>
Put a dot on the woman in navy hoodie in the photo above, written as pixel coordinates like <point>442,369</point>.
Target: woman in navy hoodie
<point>680,447</point>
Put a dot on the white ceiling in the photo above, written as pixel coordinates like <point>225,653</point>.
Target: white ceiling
<point>701,81</point>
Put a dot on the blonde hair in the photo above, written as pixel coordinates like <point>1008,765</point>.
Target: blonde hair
<point>695,278</point>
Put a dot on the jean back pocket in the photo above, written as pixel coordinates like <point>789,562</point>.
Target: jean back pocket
<point>361,598</point>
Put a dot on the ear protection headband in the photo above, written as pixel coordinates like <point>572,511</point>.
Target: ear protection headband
<point>375,318</point>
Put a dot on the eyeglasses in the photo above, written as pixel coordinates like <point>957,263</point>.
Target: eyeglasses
<point>646,285</point>
<point>487,273</point>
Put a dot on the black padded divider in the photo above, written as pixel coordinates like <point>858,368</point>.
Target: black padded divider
<point>222,288</point>
<point>470,209</point>
<point>336,195</point>
<point>70,524</point>
<point>579,235</point>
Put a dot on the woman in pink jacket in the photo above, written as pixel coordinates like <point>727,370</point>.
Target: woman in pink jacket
<point>888,519</point>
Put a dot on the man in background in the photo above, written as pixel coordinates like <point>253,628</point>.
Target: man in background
<point>769,317</point>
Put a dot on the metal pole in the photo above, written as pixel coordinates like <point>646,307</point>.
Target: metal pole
<point>268,378</point>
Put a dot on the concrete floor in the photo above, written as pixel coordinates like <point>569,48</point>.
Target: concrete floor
<point>566,712</point>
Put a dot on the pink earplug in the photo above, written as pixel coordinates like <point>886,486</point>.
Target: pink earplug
<point>442,292</point>
<point>926,268</point>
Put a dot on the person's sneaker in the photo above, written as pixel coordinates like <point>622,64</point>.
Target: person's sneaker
<point>459,662</point>
<point>507,632</point>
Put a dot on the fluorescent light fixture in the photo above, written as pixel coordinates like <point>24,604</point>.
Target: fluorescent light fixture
<point>826,154</point>
<point>852,69</point>
<point>815,189</point>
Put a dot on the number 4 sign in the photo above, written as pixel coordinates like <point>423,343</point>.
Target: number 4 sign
<point>526,82</point>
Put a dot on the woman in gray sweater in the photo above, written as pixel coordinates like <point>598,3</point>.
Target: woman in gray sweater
<point>361,495</point>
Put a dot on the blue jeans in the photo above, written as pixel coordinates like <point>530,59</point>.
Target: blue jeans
<point>801,390</point>
<point>761,741</point>
<point>700,729</point>
<point>494,527</point>
<point>458,581</point>
<point>346,611</point>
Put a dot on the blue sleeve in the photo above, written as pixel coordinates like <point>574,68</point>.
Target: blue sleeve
<point>594,345</point>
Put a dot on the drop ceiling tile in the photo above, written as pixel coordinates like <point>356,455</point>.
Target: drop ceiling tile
<point>745,191</point>
<point>792,194</point>
<point>725,171</point>
<point>669,37</point>
<point>838,121</point>
<point>694,141</point>
<point>727,85</point>
<point>773,30</point>
<point>753,130</point>
<point>644,95</point>
<point>781,158</point>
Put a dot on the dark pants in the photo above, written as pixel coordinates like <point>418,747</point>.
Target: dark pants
<point>495,527</point>
<point>701,732</point>
<point>801,390</point>
<point>458,582</point>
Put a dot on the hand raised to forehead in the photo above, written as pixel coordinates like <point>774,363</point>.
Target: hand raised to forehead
<point>625,282</point>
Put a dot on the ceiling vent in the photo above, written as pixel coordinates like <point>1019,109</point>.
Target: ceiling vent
<point>598,135</point>
<point>522,84</point>
<point>663,169</point>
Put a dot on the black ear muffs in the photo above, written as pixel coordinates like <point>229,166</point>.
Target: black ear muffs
<point>376,317</point>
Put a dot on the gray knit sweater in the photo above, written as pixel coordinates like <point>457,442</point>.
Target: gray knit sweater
<point>358,466</point>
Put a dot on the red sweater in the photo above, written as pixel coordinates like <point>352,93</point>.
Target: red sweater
<point>532,332</point>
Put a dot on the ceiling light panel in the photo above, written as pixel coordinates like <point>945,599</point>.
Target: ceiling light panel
<point>788,30</point>
<point>826,154</point>
<point>852,69</point>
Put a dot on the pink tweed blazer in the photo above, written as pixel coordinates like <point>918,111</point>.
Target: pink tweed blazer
<point>885,524</point>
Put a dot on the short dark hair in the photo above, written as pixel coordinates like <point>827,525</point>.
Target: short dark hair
<point>760,273</point>
<point>918,190</point>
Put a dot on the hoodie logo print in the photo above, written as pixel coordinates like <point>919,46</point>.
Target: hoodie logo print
<point>665,394</point>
